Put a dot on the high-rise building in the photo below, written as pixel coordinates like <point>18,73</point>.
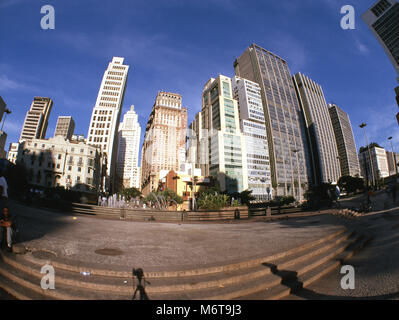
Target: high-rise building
<point>252,124</point>
<point>382,19</point>
<point>2,108</point>
<point>36,120</point>
<point>13,152</point>
<point>104,123</point>
<point>3,139</point>
<point>128,150</point>
<point>65,126</point>
<point>216,137</point>
<point>378,169</point>
<point>164,145</point>
<point>347,152</point>
<point>285,130</point>
<point>324,153</point>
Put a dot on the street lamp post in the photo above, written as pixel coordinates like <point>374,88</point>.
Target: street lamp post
<point>363,125</point>
<point>394,157</point>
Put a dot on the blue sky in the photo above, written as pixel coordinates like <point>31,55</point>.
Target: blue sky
<point>177,45</point>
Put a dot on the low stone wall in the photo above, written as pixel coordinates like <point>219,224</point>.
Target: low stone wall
<point>156,215</point>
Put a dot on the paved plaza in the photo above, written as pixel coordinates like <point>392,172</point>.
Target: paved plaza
<point>159,246</point>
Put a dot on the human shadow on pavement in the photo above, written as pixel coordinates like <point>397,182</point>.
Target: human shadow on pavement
<point>140,288</point>
<point>34,223</point>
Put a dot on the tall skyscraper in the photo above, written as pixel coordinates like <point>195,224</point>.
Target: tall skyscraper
<point>104,123</point>
<point>164,145</point>
<point>252,124</point>
<point>347,152</point>
<point>383,19</point>
<point>218,137</point>
<point>324,153</point>
<point>65,127</point>
<point>36,120</point>
<point>128,150</point>
<point>289,156</point>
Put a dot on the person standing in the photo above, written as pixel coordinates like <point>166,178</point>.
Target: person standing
<point>5,218</point>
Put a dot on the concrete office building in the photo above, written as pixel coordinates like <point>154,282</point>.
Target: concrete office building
<point>105,118</point>
<point>288,151</point>
<point>13,152</point>
<point>3,139</point>
<point>128,150</point>
<point>65,127</point>
<point>347,152</point>
<point>252,125</point>
<point>379,169</point>
<point>36,120</point>
<point>3,106</point>
<point>164,145</point>
<point>323,148</point>
<point>57,162</point>
<point>392,159</point>
<point>220,145</point>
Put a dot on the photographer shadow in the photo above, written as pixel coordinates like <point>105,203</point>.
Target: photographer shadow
<point>140,288</point>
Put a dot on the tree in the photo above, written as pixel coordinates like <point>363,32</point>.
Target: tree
<point>212,201</point>
<point>130,193</point>
<point>163,199</point>
<point>245,196</point>
<point>351,184</point>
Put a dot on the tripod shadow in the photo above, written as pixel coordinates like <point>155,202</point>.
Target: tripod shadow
<point>140,288</point>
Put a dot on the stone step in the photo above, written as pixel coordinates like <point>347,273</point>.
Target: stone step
<point>302,275</point>
<point>28,284</point>
<point>219,282</point>
<point>300,256</point>
<point>158,285</point>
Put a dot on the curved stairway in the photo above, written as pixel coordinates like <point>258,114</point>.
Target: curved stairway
<point>270,277</point>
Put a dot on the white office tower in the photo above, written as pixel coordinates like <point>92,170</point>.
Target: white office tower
<point>104,123</point>
<point>252,123</point>
<point>128,150</point>
<point>323,147</point>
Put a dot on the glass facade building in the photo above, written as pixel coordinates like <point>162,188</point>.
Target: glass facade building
<point>215,140</point>
<point>383,20</point>
<point>252,125</point>
<point>288,152</point>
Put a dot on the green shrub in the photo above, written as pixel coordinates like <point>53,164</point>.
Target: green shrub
<point>212,201</point>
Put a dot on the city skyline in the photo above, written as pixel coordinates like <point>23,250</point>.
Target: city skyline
<point>337,71</point>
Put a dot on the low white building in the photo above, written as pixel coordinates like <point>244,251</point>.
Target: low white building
<point>379,161</point>
<point>57,162</point>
